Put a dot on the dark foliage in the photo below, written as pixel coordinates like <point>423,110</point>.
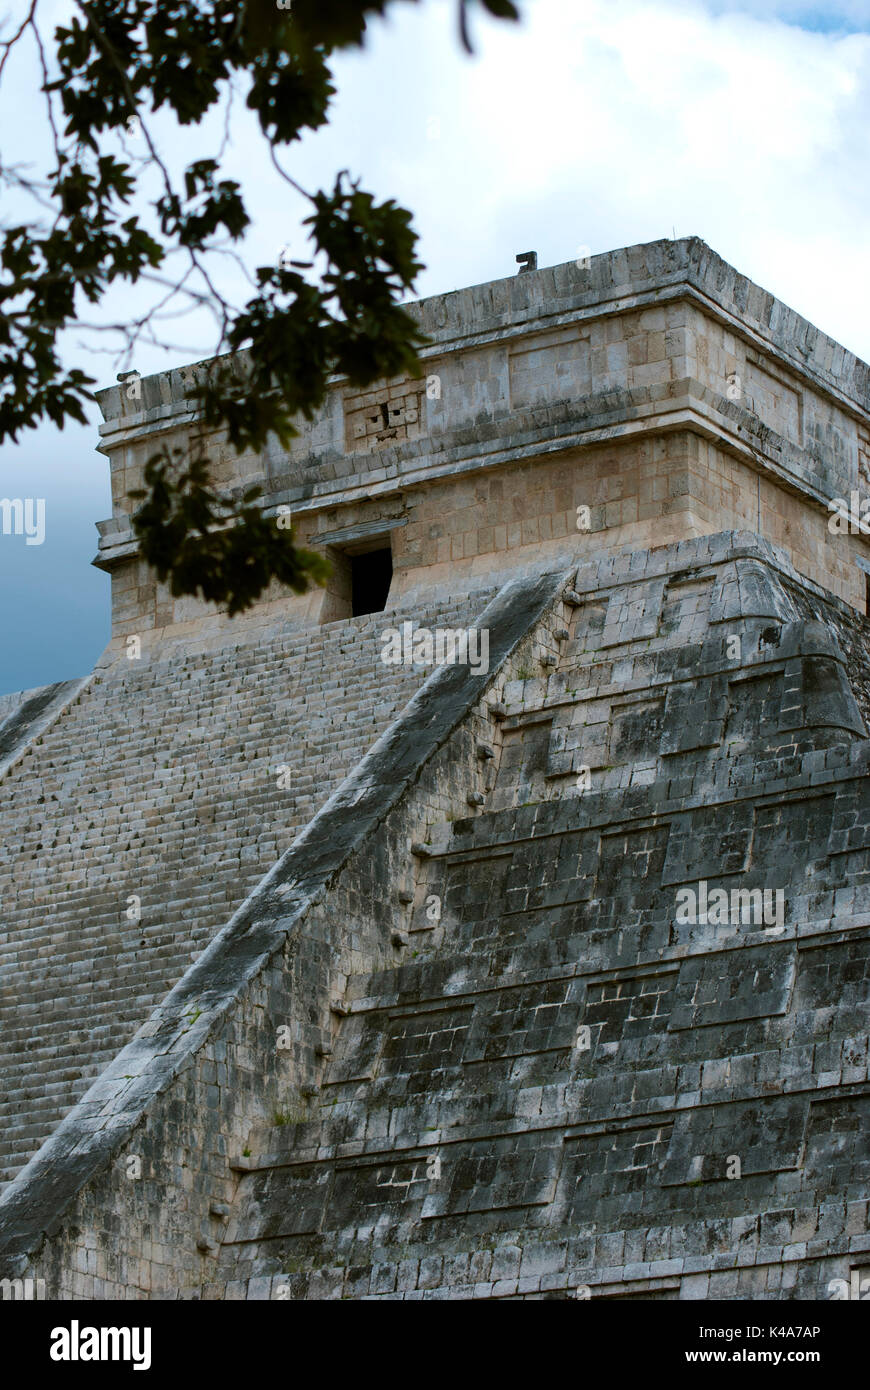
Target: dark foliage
<point>115,63</point>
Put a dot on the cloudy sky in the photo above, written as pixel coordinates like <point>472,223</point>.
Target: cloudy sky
<point>596,122</point>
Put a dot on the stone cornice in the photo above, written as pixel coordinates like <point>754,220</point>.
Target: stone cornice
<point>617,282</point>
<point>686,405</point>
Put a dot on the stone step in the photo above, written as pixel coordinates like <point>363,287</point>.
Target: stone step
<point>161,782</point>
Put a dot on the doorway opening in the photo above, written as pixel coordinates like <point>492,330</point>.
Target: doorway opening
<point>371,575</point>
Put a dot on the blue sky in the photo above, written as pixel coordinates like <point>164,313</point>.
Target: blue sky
<point>596,122</point>
<point>807,14</point>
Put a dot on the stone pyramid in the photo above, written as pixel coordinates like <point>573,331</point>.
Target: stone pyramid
<point>492,923</point>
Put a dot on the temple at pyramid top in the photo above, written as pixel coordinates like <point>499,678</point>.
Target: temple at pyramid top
<point>641,397</point>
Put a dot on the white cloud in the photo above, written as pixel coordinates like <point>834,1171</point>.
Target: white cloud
<point>599,122</point>
<point>614,121</point>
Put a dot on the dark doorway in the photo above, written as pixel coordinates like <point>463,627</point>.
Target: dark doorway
<point>370,576</point>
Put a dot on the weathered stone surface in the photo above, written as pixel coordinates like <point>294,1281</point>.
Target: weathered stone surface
<point>158,782</point>
<point>24,717</point>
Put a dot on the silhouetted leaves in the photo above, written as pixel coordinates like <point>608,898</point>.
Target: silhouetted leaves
<point>116,61</point>
<point>195,539</point>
